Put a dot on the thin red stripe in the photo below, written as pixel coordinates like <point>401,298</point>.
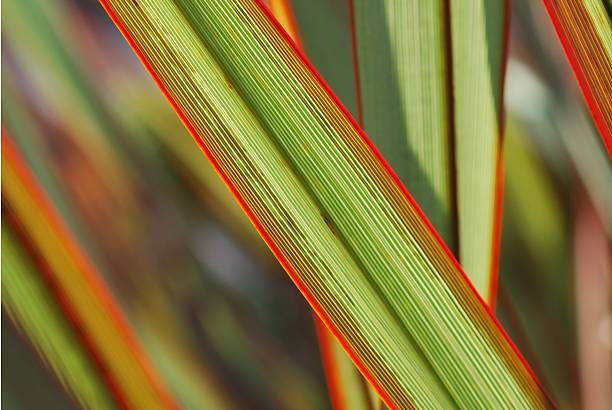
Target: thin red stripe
<point>499,166</point>
<point>9,151</point>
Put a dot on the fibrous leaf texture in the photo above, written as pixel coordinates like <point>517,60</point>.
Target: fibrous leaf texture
<point>341,224</point>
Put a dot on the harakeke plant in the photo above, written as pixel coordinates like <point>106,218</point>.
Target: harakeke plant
<point>334,214</point>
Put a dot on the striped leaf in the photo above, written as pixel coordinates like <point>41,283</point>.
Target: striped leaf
<point>585,30</point>
<point>347,389</point>
<point>403,98</point>
<point>429,80</point>
<point>348,234</point>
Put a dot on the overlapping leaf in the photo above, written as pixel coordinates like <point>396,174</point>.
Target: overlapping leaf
<point>404,100</point>
<point>341,225</point>
<point>429,79</point>
<point>347,389</point>
<point>478,33</point>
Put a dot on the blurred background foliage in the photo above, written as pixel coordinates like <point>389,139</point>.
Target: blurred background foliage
<point>218,318</point>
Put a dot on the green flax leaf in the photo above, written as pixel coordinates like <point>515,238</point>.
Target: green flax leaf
<point>429,81</point>
<point>585,31</point>
<point>478,48</point>
<point>403,84</point>
<point>341,225</point>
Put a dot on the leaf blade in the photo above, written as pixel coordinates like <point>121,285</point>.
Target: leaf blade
<point>584,29</point>
<point>479,36</point>
<point>404,98</point>
<point>31,306</point>
<point>287,210</point>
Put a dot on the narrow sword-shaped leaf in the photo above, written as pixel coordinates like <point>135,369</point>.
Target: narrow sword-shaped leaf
<point>585,30</point>
<point>478,42</point>
<point>406,84</point>
<point>402,72</point>
<point>328,206</point>
<point>20,353</point>
<point>347,389</point>
<point>31,306</point>
<point>429,80</point>
<point>325,32</point>
<point>104,329</point>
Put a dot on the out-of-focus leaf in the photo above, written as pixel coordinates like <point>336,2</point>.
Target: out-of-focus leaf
<point>31,305</point>
<point>350,238</point>
<point>537,104</point>
<point>194,386</point>
<point>83,294</point>
<point>347,388</point>
<point>593,272</point>
<point>535,274</point>
<point>590,161</point>
<point>44,28</point>
<point>28,137</point>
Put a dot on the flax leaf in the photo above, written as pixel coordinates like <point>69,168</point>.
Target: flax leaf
<point>585,30</point>
<point>344,229</point>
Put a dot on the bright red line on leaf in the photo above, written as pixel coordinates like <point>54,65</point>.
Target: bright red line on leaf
<point>315,306</point>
